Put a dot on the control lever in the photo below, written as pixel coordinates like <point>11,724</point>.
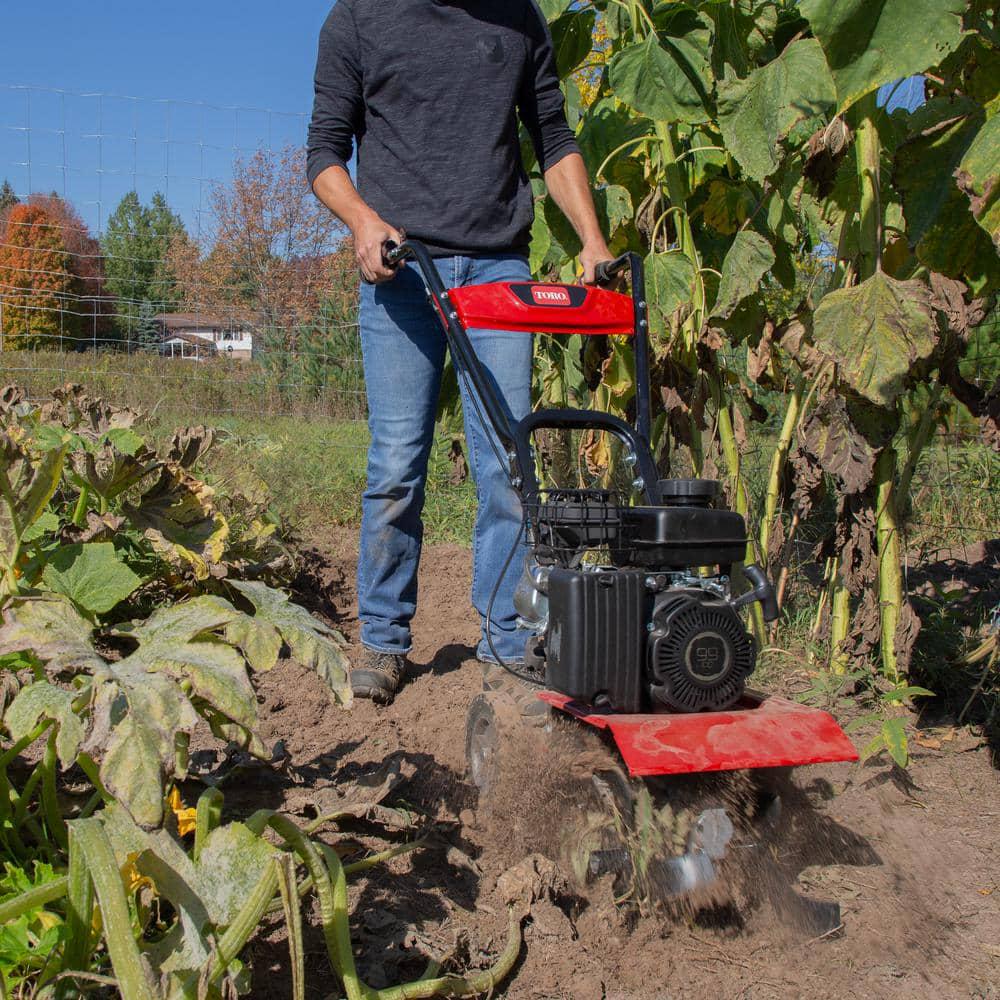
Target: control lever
<point>763,591</point>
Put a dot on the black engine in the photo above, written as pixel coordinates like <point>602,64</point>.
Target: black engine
<point>630,606</point>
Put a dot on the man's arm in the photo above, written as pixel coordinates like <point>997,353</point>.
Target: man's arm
<point>569,185</point>
<point>336,190</point>
<point>338,115</point>
<point>542,110</point>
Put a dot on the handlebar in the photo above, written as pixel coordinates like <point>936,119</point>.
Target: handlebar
<point>393,254</point>
<point>605,272</point>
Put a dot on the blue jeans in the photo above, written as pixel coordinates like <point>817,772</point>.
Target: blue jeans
<point>403,345</point>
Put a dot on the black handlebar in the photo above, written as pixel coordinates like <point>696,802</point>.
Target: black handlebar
<point>393,254</point>
<point>605,272</point>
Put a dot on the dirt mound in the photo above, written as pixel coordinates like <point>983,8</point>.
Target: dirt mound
<point>912,862</point>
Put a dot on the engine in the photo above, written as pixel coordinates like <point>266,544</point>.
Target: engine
<point>699,654</point>
<point>647,619</point>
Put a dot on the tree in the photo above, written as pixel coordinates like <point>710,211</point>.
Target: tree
<point>37,285</point>
<point>136,246</point>
<point>8,199</point>
<point>92,307</point>
<point>272,241</point>
<point>147,332</point>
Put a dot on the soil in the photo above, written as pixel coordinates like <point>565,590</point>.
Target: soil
<point>911,857</point>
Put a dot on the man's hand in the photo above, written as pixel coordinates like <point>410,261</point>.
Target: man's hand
<point>592,254</point>
<point>370,236</point>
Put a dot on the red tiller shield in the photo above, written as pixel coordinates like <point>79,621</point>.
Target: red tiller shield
<point>538,307</point>
<point>761,731</point>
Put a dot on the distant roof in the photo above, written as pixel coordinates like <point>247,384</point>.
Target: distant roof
<point>199,321</point>
<point>195,341</point>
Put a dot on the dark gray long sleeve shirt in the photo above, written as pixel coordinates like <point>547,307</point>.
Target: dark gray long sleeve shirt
<point>431,91</point>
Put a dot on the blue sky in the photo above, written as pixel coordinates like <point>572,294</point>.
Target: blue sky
<point>182,84</point>
<point>204,58</point>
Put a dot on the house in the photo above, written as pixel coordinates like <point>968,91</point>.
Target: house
<point>201,335</point>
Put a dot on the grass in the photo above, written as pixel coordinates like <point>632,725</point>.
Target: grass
<point>192,391</point>
<point>315,472</point>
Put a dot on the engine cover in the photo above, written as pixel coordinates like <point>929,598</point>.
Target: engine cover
<point>700,654</point>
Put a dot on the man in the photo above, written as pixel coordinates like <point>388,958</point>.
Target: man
<point>431,92</point>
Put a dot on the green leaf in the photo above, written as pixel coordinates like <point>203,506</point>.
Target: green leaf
<point>208,894</point>
<point>894,736</point>
<point>92,576</point>
<point>312,643</point>
<point>728,205</point>
<point>605,128</point>
<point>182,622</point>
<point>876,332</point>
<point>177,515</point>
<point>230,865</point>
<point>742,30</point>
<point>910,691</point>
<point>664,82</point>
<point>618,369</point>
<point>27,481</point>
<point>215,671</point>
<point>178,652</point>
<point>132,770</point>
<point>979,177</point>
<point>259,640</point>
<point>43,700</point>
<point>541,243</point>
<point>872,42</point>
<point>552,8</point>
<point>940,225</point>
<point>940,135</point>
<point>614,204</point>
<point>670,280</point>
<point>855,724</point>
<point>758,112</point>
<point>572,39</point>
<point>748,260</point>
<point>877,745</point>
<point>46,524</point>
<point>126,440</point>
<point>54,631</point>
<point>564,241</point>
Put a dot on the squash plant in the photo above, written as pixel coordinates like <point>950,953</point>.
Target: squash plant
<point>95,528</point>
<point>136,603</point>
<point>799,240</point>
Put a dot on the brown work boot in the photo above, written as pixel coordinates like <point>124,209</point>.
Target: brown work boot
<point>524,694</point>
<point>378,676</point>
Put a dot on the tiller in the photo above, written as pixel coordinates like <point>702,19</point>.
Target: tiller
<point>631,625</point>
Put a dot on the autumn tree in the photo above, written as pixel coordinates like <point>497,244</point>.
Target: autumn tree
<point>92,308</point>
<point>136,246</point>
<point>37,285</point>
<point>270,248</point>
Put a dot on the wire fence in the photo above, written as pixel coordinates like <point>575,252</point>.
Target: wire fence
<point>169,256</point>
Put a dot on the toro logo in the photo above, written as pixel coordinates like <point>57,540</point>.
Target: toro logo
<point>550,295</point>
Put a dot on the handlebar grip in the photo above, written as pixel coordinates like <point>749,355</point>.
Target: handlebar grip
<point>605,271</point>
<point>393,254</point>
